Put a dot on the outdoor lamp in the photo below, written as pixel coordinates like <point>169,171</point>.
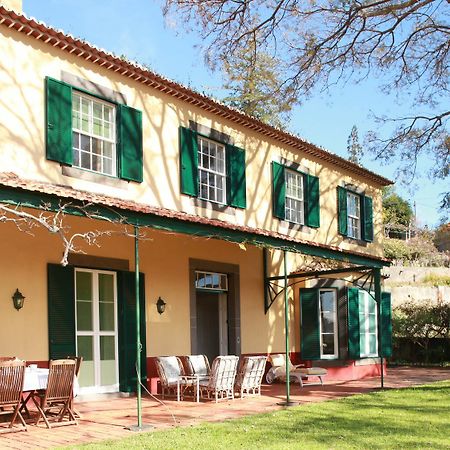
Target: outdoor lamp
<point>18,299</point>
<point>160,305</point>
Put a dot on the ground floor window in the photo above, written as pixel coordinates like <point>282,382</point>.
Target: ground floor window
<point>368,325</point>
<point>328,323</point>
<point>96,329</point>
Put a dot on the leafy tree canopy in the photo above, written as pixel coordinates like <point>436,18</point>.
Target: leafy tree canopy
<point>396,210</point>
<point>404,43</point>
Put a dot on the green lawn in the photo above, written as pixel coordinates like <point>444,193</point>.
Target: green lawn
<point>403,418</point>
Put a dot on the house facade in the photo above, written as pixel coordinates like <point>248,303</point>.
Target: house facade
<point>210,213</point>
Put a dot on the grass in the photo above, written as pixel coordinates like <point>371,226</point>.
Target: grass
<point>411,418</point>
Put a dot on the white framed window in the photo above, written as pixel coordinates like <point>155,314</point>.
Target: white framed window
<point>328,324</point>
<point>211,171</point>
<point>211,281</point>
<point>93,134</point>
<point>294,197</point>
<point>368,325</point>
<point>96,330</point>
<point>353,215</point>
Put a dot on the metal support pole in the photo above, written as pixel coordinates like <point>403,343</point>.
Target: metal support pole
<point>138,327</point>
<point>286,331</point>
<point>377,283</point>
<point>139,426</point>
<point>266,293</point>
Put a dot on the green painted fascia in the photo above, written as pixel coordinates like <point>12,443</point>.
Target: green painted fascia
<point>37,200</point>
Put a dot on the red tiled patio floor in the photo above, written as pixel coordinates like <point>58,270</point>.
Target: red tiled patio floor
<point>108,419</point>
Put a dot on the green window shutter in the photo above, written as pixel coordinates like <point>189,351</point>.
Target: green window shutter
<point>127,330</point>
<point>278,190</point>
<point>61,311</point>
<point>312,207</point>
<point>59,122</point>
<point>236,171</point>
<point>354,350</point>
<point>189,161</point>
<point>342,210</point>
<point>309,322</point>
<point>367,218</point>
<point>385,325</point>
<point>130,144</point>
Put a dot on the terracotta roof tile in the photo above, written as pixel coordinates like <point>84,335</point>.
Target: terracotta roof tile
<point>11,180</point>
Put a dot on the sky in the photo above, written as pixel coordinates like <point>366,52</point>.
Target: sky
<point>138,30</point>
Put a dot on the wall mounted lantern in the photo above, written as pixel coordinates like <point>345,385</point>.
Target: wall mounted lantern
<point>160,305</point>
<point>18,299</point>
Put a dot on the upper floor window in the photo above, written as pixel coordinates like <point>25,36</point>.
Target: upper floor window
<point>94,134</point>
<point>295,196</point>
<point>355,215</point>
<point>211,171</point>
<point>91,133</point>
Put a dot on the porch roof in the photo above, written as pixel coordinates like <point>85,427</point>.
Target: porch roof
<point>41,195</point>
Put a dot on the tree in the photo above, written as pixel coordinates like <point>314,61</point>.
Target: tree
<point>396,210</point>
<point>404,43</point>
<point>255,88</point>
<point>354,148</point>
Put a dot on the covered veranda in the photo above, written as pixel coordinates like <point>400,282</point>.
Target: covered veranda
<point>109,418</point>
<point>23,194</point>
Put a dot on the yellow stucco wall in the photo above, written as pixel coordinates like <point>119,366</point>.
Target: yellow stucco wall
<point>26,63</point>
<point>164,258</point>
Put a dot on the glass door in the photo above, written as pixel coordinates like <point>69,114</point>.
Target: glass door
<point>96,330</point>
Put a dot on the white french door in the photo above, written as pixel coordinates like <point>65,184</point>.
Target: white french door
<point>96,330</point>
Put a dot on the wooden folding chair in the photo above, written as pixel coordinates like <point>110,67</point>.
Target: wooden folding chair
<point>55,401</point>
<point>78,360</point>
<point>11,385</point>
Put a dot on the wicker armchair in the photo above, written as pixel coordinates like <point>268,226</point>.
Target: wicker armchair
<point>249,375</point>
<point>55,401</point>
<point>171,373</point>
<point>11,384</point>
<point>198,365</point>
<point>220,384</point>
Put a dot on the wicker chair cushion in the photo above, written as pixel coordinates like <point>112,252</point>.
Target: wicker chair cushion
<point>171,368</point>
<point>198,365</point>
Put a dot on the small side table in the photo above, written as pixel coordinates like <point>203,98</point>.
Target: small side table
<point>189,380</point>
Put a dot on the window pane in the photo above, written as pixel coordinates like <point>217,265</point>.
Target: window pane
<point>106,312</point>
<point>328,344</point>
<point>327,322</point>
<point>84,316</point>
<point>327,301</point>
<point>372,344</point>
<point>85,349</point>
<point>83,282</point>
<point>108,374</point>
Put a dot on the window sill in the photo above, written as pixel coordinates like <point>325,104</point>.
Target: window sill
<point>351,240</point>
<point>85,175</point>
<point>295,226</point>
<point>206,204</point>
